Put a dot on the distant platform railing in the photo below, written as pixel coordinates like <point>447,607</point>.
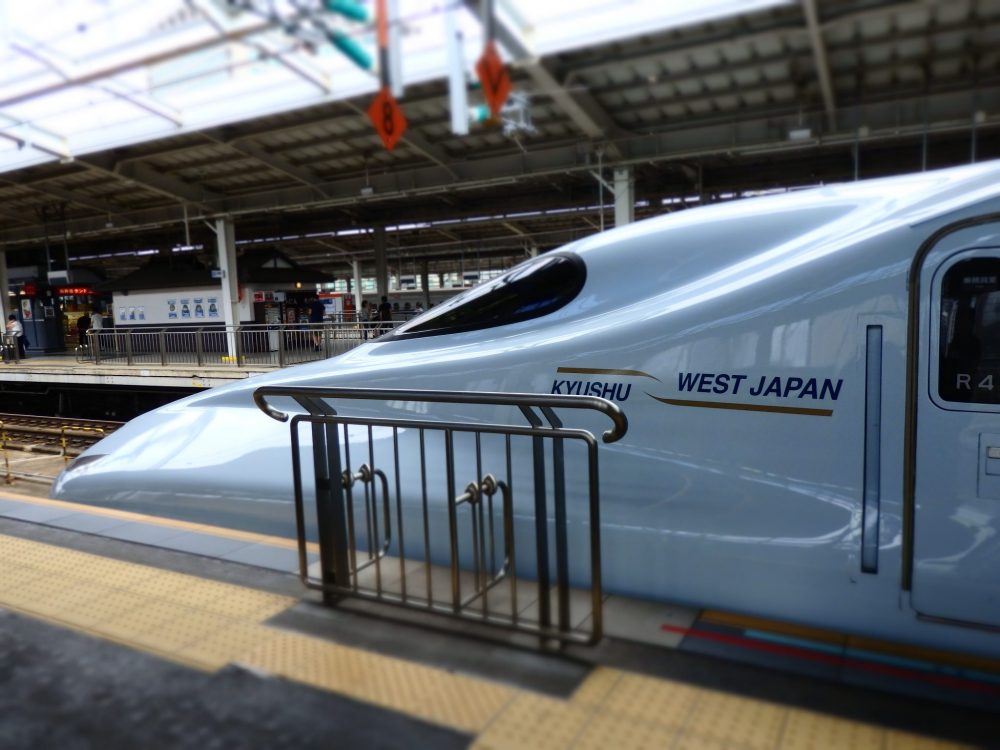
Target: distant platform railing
<point>490,522</point>
<point>242,346</point>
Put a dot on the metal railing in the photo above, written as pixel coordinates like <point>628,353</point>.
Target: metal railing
<point>243,345</point>
<point>393,526</point>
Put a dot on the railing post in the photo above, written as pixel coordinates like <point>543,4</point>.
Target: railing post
<point>541,521</point>
<point>128,346</point>
<point>238,334</point>
<point>559,499</point>
<point>162,338</point>
<point>331,517</point>
<point>281,347</point>
<point>199,345</point>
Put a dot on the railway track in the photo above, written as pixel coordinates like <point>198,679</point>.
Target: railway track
<point>54,435</point>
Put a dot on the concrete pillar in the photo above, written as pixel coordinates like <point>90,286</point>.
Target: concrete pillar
<point>356,268</point>
<point>381,269</point>
<point>425,284</point>
<point>624,197</point>
<point>4,287</point>
<point>225,241</point>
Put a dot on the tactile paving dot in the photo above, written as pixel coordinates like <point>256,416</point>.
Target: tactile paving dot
<point>188,627</point>
<point>728,718</point>
<point>658,701</point>
<point>606,730</point>
<point>148,613</point>
<point>282,652</point>
<point>462,702</point>
<point>597,686</point>
<point>12,578</point>
<point>805,730</point>
<point>111,605</point>
<point>895,740</point>
<point>226,645</point>
<point>697,742</point>
<point>535,721</point>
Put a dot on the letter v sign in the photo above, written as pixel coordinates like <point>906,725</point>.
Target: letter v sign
<point>494,77</point>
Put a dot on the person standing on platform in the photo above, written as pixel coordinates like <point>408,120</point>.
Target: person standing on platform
<point>363,319</point>
<point>316,312</point>
<point>385,313</point>
<point>82,326</point>
<point>96,324</point>
<point>15,328</point>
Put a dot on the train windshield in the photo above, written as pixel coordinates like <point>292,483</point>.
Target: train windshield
<point>970,332</point>
<point>530,290</point>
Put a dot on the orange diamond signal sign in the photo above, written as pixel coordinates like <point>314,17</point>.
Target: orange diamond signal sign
<point>387,117</point>
<point>494,77</point>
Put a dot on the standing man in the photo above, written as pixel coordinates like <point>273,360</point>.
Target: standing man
<point>82,326</point>
<point>316,312</point>
<point>15,328</point>
<point>385,313</point>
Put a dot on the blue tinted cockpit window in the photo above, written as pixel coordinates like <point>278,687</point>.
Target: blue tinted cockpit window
<point>969,358</point>
<point>529,290</point>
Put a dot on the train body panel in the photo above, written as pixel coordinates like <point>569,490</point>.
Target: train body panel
<point>740,341</point>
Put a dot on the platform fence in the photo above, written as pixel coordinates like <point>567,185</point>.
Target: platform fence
<point>242,346</point>
<point>495,523</point>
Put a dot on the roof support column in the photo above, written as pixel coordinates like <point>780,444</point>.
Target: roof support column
<point>225,241</point>
<point>356,269</point>
<point>624,197</point>
<point>381,270</point>
<point>4,287</point>
<point>425,283</point>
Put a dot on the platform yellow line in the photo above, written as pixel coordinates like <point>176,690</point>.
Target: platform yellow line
<point>126,515</point>
<point>208,624</point>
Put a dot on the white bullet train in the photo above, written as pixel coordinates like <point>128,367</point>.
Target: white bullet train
<point>811,381</point>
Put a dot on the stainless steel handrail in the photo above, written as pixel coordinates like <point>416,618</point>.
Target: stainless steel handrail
<point>306,394</point>
<point>334,436</point>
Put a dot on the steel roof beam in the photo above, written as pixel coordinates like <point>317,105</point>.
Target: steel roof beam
<point>274,161</point>
<point>748,136</point>
<point>822,65</point>
<point>64,69</point>
<point>154,51</point>
<point>51,191</point>
<point>151,179</point>
<point>418,143</point>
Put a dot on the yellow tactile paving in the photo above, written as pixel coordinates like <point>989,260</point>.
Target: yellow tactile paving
<point>209,624</point>
<point>661,702</point>
<point>596,687</point>
<point>611,730</point>
<point>807,730</point>
<point>125,515</point>
<point>534,721</point>
<point>739,721</point>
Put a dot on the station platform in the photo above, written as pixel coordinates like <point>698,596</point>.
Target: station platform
<point>64,368</point>
<point>124,629</point>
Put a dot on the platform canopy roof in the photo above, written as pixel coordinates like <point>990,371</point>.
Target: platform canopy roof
<point>79,76</point>
<point>125,125</point>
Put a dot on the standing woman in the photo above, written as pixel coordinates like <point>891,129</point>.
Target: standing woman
<point>14,327</point>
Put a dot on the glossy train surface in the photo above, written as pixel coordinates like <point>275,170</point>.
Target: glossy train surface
<point>812,436</point>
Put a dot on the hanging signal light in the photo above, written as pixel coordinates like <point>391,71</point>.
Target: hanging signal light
<point>347,8</point>
<point>351,48</point>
